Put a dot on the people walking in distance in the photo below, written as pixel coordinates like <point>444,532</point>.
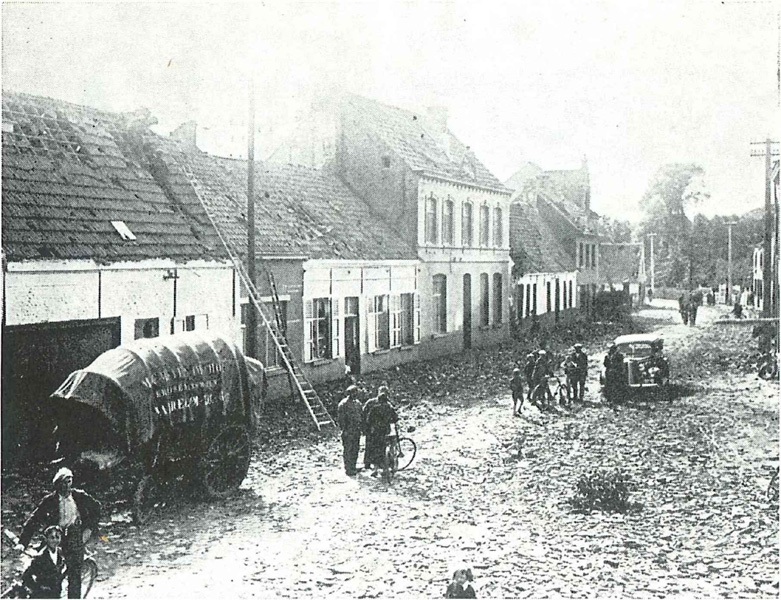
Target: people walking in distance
<point>516,387</point>
<point>580,372</point>
<point>683,308</point>
<point>349,415</point>
<point>615,374</point>
<point>460,586</point>
<point>528,373</point>
<point>43,578</point>
<point>379,418</point>
<point>77,513</point>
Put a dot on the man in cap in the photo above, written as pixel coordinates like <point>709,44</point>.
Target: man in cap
<point>370,441</point>
<point>378,419</point>
<point>77,513</point>
<point>580,372</point>
<point>349,415</point>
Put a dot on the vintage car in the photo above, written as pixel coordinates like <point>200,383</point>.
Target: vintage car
<point>644,368</point>
<point>172,407</point>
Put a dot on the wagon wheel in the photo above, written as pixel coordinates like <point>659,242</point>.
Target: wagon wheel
<point>146,500</point>
<point>226,461</point>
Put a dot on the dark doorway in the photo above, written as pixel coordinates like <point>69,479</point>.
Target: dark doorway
<point>557,299</point>
<point>36,360</point>
<point>467,311</point>
<point>352,335</point>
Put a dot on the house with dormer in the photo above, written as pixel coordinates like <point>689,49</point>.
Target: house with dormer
<point>430,189</point>
<point>562,200</point>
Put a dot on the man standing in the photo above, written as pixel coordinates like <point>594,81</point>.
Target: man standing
<point>378,421</point>
<point>349,415</point>
<point>370,403</point>
<point>77,513</point>
<point>580,372</point>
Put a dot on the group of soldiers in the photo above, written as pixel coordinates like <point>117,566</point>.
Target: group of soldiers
<point>688,303</point>
<point>539,366</point>
<point>372,419</point>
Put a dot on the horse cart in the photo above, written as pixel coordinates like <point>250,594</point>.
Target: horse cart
<point>175,408</point>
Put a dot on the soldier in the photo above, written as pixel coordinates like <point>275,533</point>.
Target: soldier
<point>350,417</point>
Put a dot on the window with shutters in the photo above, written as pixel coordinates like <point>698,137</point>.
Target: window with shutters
<point>498,298</point>
<point>407,319</point>
<point>498,241</point>
<point>593,256</point>
<point>431,220</point>
<point>448,225</point>
<point>528,299</point>
<point>467,225</point>
<point>548,305</point>
<point>485,223</point>
<point>439,298</point>
<point>317,329</point>
<point>484,300</point>
<point>379,322</point>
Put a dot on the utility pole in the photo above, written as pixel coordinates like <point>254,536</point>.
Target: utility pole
<point>729,261</point>
<point>767,264</point>
<point>252,321</point>
<point>653,284</point>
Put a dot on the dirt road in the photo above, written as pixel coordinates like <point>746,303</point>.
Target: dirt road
<point>491,490</point>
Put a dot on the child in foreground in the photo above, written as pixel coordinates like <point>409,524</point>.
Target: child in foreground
<point>460,587</point>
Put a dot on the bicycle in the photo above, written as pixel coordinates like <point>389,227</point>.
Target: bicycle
<point>89,573</point>
<point>542,396</point>
<point>399,453</point>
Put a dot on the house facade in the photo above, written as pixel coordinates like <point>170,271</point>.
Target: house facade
<point>96,253</point>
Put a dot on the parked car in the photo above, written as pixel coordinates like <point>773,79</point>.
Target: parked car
<point>645,369</point>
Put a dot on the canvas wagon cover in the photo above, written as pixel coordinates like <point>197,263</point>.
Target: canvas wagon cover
<point>173,380</point>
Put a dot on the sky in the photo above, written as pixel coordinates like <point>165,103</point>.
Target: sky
<point>629,84</point>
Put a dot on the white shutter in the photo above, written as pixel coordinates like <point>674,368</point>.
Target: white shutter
<point>335,337</point>
<point>416,310</point>
<point>308,326</point>
<point>371,326</point>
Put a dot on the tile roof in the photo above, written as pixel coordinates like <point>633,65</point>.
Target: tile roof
<point>67,172</point>
<point>618,263</point>
<point>414,138</point>
<point>535,248</point>
<point>299,211</point>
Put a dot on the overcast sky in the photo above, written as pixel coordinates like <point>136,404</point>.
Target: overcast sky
<point>630,84</point>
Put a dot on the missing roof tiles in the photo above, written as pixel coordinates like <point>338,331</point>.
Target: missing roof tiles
<point>123,230</point>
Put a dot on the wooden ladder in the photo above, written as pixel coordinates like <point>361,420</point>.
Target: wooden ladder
<point>299,384</point>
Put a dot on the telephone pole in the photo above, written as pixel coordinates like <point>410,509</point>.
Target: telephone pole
<point>252,320</point>
<point>767,265</point>
<point>653,286</point>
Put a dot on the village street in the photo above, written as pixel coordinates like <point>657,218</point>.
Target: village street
<point>491,490</point>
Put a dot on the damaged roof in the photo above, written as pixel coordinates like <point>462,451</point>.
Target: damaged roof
<point>415,139</point>
<point>534,246</point>
<point>299,211</point>
<point>75,183</point>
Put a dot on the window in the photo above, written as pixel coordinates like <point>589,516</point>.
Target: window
<point>379,323</point>
<point>485,217</point>
<point>484,300</point>
<point>386,162</point>
<point>528,299</point>
<point>498,227</point>
<point>548,303</point>
<point>440,303</point>
<point>497,298</point>
<point>318,329</point>
<point>447,223</point>
<point>189,323</point>
<point>571,298</point>
<point>534,299</point>
<point>467,227</point>
<point>593,256</point>
<point>147,328</point>
<point>519,302</point>
<point>580,254</point>
<point>402,320</point>
<point>431,220</point>
<point>564,295</point>
<point>588,255</point>
<point>123,230</point>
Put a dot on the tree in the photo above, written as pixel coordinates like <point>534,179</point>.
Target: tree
<point>618,231</point>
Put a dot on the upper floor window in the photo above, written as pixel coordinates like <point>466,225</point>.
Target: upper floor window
<point>431,220</point>
<point>498,228</point>
<point>439,298</point>
<point>467,226</point>
<point>447,223</point>
<point>485,218</point>
<point>497,298</point>
<point>485,305</point>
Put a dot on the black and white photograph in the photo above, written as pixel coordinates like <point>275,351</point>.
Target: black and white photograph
<point>400,299</point>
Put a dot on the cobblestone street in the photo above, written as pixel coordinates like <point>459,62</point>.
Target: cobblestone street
<point>491,490</point>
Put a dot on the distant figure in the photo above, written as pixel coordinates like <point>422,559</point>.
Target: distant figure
<point>378,421</point>
<point>650,296</point>
<point>580,372</point>
<point>528,373</point>
<point>459,586</point>
<point>350,417</point>
<point>737,310</point>
<point>516,387</point>
<point>683,308</point>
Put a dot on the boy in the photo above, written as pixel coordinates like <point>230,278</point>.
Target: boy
<point>516,386</point>
<point>45,574</point>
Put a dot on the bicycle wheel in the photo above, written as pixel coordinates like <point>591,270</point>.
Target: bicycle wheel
<point>407,450</point>
<point>389,462</point>
<point>561,397</point>
<point>772,488</point>
<point>89,573</point>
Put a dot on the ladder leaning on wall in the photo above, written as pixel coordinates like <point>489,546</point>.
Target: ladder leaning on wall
<point>299,384</point>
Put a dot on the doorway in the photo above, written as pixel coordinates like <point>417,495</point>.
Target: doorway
<point>467,311</point>
<point>352,336</point>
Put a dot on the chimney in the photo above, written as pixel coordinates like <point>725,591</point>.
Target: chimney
<point>186,133</point>
<point>587,183</point>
